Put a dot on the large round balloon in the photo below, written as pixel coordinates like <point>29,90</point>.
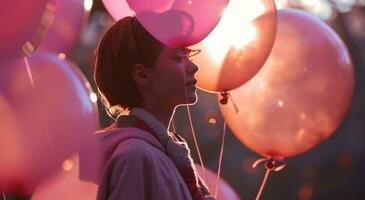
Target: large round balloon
<point>117,8</point>
<point>24,23</point>
<point>178,23</point>
<point>47,112</point>
<point>302,93</point>
<point>238,47</point>
<point>225,191</point>
<point>65,28</point>
<point>66,184</point>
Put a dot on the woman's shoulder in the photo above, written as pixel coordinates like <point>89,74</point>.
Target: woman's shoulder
<point>129,142</point>
<point>135,146</point>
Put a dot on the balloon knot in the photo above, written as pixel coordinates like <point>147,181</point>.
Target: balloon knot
<point>224,99</point>
<point>271,163</point>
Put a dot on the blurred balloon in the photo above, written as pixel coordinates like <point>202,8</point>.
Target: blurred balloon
<point>225,191</point>
<point>66,184</point>
<point>24,24</point>
<point>178,23</point>
<point>238,47</point>
<point>47,114</point>
<point>65,28</point>
<point>302,93</point>
<point>118,9</point>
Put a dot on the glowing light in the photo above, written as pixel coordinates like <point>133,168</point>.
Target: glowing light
<point>305,192</point>
<point>212,121</point>
<point>281,4</point>
<point>234,29</point>
<point>280,103</point>
<point>88,4</point>
<point>93,97</point>
<point>61,56</point>
<point>323,9</point>
<point>67,165</point>
<point>345,159</point>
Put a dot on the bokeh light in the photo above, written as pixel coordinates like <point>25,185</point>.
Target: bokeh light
<point>88,4</point>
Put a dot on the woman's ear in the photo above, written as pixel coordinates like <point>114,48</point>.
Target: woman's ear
<point>141,75</point>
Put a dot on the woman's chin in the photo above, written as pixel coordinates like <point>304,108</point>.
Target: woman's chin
<point>192,98</point>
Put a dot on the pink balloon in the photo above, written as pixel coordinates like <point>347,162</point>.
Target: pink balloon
<point>66,26</point>
<point>178,23</point>
<point>238,47</point>
<point>118,9</point>
<point>225,191</point>
<point>66,184</point>
<point>302,93</point>
<point>24,24</point>
<point>48,112</point>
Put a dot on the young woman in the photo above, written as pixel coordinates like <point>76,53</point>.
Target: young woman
<point>141,160</point>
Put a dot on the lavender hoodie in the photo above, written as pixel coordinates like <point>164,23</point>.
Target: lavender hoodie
<point>136,167</point>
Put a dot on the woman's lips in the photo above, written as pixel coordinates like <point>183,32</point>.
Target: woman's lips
<point>193,82</point>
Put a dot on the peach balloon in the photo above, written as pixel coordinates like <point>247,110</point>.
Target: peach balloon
<point>238,47</point>
<point>117,8</point>
<point>24,24</point>
<point>48,112</point>
<point>66,184</point>
<point>302,93</point>
<point>225,191</point>
<point>65,29</point>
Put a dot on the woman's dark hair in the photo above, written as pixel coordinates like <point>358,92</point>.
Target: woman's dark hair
<point>123,45</point>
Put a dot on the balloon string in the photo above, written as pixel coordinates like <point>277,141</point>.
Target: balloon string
<point>30,76</point>
<point>4,196</point>
<point>262,184</point>
<point>236,109</point>
<point>224,100</point>
<point>29,72</point>
<point>192,129</point>
<point>195,141</point>
<point>220,160</point>
<point>270,165</point>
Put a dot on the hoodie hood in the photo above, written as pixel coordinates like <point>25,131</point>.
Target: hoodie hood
<point>109,139</point>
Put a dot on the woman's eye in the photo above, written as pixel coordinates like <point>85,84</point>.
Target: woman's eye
<point>179,59</point>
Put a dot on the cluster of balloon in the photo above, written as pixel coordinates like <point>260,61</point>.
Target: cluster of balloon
<point>66,26</point>
<point>117,8</point>
<point>225,191</point>
<point>178,23</point>
<point>48,112</point>
<point>238,47</point>
<point>25,25</point>
<point>302,93</point>
<point>66,184</point>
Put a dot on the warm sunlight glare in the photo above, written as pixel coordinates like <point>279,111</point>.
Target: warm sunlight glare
<point>93,97</point>
<point>88,4</point>
<point>234,29</point>
<point>67,165</point>
<point>62,56</point>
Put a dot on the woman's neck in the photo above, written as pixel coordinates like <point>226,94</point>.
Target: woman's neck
<point>162,114</point>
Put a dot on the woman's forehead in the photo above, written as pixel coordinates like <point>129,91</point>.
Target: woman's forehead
<point>178,51</point>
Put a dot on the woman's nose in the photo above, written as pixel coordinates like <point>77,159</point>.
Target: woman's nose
<point>192,67</point>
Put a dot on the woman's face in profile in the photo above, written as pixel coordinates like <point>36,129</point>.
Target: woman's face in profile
<point>174,77</point>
